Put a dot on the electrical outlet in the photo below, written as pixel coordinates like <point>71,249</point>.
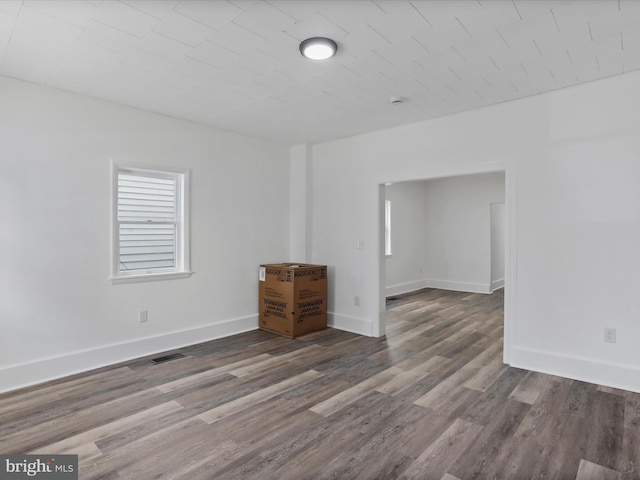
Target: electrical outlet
<point>143,316</point>
<point>610,335</point>
<point>356,301</point>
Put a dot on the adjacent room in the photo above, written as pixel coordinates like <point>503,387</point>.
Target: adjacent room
<point>465,173</point>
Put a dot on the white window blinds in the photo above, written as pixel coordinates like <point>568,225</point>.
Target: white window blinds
<point>147,222</point>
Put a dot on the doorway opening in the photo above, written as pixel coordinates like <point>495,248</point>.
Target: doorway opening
<point>450,238</point>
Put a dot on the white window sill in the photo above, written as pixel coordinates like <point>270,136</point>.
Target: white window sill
<point>149,277</point>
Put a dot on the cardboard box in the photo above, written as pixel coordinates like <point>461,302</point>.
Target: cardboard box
<point>293,298</point>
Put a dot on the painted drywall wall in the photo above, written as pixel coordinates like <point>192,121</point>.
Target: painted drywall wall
<point>498,246</point>
<point>458,233</point>
<point>59,313</point>
<point>572,169</point>
<point>405,267</point>
<point>300,203</point>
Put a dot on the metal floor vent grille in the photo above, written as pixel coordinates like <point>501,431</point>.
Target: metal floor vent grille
<point>167,358</point>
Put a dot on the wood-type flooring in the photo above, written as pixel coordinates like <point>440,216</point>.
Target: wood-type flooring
<point>432,400</point>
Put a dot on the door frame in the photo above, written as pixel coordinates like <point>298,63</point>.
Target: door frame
<point>510,277</point>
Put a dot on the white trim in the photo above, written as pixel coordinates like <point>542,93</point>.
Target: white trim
<point>150,277</point>
<point>361,326</point>
<point>497,285</point>
<point>401,288</point>
<point>43,370</point>
<point>387,228</point>
<point>115,235</point>
<point>510,263</point>
<point>185,217</point>
<point>510,257</point>
<point>457,286</point>
<point>183,257</point>
<point>379,324</point>
<point>626,377</point>
<point>443,285</point>
<point>147,166</point>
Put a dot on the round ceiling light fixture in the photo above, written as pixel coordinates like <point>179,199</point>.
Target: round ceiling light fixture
<point>318,48</point>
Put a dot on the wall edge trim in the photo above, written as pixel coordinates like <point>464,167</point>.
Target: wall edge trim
<point>407,287</point>
<point>497,285</point>
<point>349,323</point>
<point>625,377</point>
<point>457,286</point>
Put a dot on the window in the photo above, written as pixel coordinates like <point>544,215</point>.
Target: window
<point>387,228</point>
<point>150,224</point>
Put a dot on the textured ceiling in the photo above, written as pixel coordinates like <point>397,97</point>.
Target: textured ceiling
<point>236,65</point>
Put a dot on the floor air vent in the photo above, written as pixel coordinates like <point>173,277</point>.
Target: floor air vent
<point>167,358</point>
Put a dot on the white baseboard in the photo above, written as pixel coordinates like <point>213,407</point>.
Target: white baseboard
<point>351,324</point>
<point>496,285</point>
<point>404,288</point>
<point>442,285</point>
<point>625,377</point>
<point>43,370</point>
<point>457,286</point>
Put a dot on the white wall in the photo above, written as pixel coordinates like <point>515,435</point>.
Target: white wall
<point>405,267</point>
<point>458,233</point>
<point>300,204</point>
<point>571,158</point>
<point>498,244</point>
<point>58,311</point>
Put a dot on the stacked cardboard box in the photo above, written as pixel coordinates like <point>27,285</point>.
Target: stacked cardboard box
<point>293,298</point>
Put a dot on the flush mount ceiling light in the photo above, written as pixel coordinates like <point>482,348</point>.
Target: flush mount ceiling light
<point>318,48</point>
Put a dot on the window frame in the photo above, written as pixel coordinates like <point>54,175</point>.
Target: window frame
<point>182,265</point>
<point>387,228</point>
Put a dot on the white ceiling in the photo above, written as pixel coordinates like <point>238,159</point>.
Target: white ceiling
<point>236,65</point>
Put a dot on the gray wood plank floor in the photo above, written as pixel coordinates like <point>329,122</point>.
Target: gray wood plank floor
<point>433,400</point>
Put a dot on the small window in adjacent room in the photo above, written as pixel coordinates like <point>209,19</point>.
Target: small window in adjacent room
<point>387,228</point>
<point>150,224</point>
